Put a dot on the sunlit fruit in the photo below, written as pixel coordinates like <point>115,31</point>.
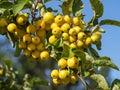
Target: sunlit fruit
<point>73,45</point>
<point>62,63</point>
<point>77,29</point>
<point>1,71</point>
<point>11,27</point>
<point>65,36</point>
<point>59,20</point>
<point>40,24</point>
<point>44,55</point>
<point>73,79</point>
<point>63,74</point>
<point>54,73</point>
<point>3,22</point>
<point>41,33</point>
<point>21,19</point>
<point>31,47</point>
<point>48,17</point>
<point>36,54</point>
<point>72,38</point>
<point>80,43</point>
<point>68,19</point>
<point>40,47</point>
<point>31,29</point>
<point>72,62</point>
<point>36,40</point>
<point>96,36</point>
<point>81,35</point>
<point>22,45</point>
<point>27,38</point>
<point>76,21</point>
<point>56,31</point>
<point>52,39</point>
<point>56,81</point>
<point>88,41</point>
<point>65,27</point>
<point>72,32</point>
<point>27,53</point>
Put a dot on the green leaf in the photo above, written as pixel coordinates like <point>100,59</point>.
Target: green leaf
<point>8,62</point>
<point>46,1</point>
<point>79,53</point>
<point>97,28</point>
<point>65,52</point>
<point>77,7</point>
<point>115,84</point>
<point>18,50</point>
<point>93,52</point>
<point>18,7</point>
<point>105,63</point>
<point>102,83</point>
<point>59,43</point>
<point>6,5</point>
<point>104,58</point>
<point>11,38</point>
<point>110,22</point>
<point>98,45</point>
<point>67,7</point>
<point>97,7</point>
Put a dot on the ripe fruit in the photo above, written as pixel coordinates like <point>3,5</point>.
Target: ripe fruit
<point>63,74</point>
<point>57,81</point>
<point>73,79</point>
<point>76,21</point>
<point>65,36</point>
<point>52,39</point>
<point>27,53</point>
<point>80,44</point>
<point>31,47</point>
<point>44,55</point>
<point>36,54</point>
<point>73,45</point>
<point>41,33</point>
<point>3,22</point>
<point>72,62</point>
<point>81,35</point>
<point>48,17</point>
<point>31,29</point>
<point>72,39</point>
<point>59,20</point>
<point>27,38</point>
<point>11,27</point>
<point>96,37</point>
<point>40,24</point>
<point>54,74</point>
<point>19,33</point>
<point>35,40</point>
<point>72,32</point>
<point>88,41</point>
<point>62,63</point>
<point>77,29</point>
<point>40,47</point>
<point>65,27</point>
<point>68,19</point>
<point>21,19</point>
<point>53,25</point>
<point>56,31</point>
<point>1,71</point>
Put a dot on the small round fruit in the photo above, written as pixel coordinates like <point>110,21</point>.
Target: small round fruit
<point>63,74</point>
<point>3,22</point>
<point>44,55</point>
<point>77,29</point>
<point>57,81</point>
<point>88,41</point>
<point>26,15</point>
<point>22,45</point>
<point>65,36</point>
<point>11,27</point>
<point>36,54</point>
<point>54,74</point>
<point>27,53</point>
<point>72,39</point>
<point>21,19</point>
<point>48,17</point>
<point>73,45</point>
<point>52,39</point>
<point>53,25</point>
<point>36,40</point>
<point>40,47</point>
<point>41,33</point>
<point>40,24</point>
<point>65,27</point>
<point>62,63</point>
<point>80,44</point>
<point>72,32</point>
<point>59,20</point>
<point>76,21</point>
<point>81,35</point>
<point>96,37</point>
<point>27,38</point>
<point>56,31</point>
<point>72,62</point>
<point>68,19</point>
<point>74,79</point>
<point>31,29</point>
<point>31,47</point>
<point>19,33</point>
<point>66,81</point>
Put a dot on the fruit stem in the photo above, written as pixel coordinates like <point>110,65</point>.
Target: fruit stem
<point>84,83</point>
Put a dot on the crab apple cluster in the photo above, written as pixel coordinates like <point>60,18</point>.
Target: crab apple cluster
<point>3,25</point>
<point>72,31</point>
<point>67,71</point>
<point>30,36</point>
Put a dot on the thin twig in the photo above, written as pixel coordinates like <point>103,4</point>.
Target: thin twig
<point>84,83</point>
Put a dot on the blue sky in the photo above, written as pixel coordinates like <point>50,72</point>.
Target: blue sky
<point>110,39</point>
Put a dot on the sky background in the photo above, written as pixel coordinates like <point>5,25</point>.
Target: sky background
<point>110,39</point>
